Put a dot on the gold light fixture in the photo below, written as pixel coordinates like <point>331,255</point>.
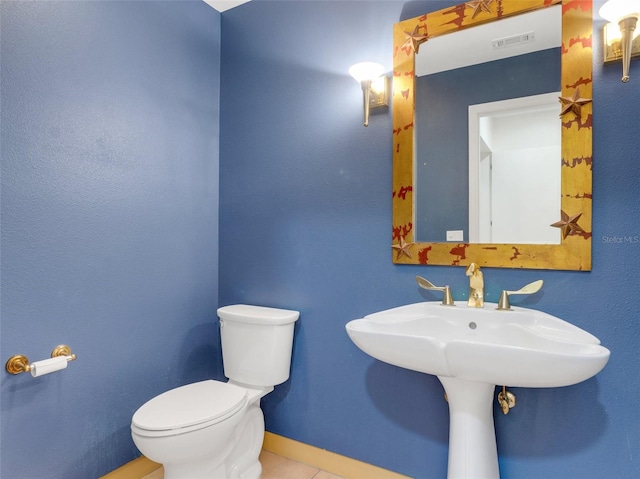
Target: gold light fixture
<point>375,91</point>
<point>622,14</point>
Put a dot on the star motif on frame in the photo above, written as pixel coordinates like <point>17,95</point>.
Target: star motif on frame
<point>402,248</point>
<point>569,224</point>
<point>415,39</point>
<point>479,6</point>
<point>573,103</point>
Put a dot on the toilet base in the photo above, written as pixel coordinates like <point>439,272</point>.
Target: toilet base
<point>243,462</point>
<point>240,455</point>
<point>201,471</point>
<point>194,471</point>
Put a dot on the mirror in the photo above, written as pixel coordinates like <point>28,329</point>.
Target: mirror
<point>567,205</point>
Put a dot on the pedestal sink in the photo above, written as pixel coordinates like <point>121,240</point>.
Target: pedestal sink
<point>472,350</point>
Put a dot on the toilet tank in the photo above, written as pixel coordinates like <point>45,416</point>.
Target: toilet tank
<point>256,343</point>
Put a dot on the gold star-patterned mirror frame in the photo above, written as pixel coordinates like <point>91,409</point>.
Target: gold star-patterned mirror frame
<point>574,251</point>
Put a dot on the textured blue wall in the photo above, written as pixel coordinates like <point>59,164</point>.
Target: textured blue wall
<point>305,223</point>
<point>110,115</point>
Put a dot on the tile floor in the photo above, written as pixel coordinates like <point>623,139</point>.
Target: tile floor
<point>276,467</point>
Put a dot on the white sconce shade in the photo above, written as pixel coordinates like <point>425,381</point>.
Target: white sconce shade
<point>625,13</point>
<point>368,73</point>
<point>615,10</point>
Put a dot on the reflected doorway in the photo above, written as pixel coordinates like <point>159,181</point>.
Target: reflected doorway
<point>515,170</point>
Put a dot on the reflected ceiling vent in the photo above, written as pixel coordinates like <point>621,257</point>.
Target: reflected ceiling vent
<point>514,40</point>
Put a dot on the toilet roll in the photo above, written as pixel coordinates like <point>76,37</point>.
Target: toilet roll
<point>46,366</point>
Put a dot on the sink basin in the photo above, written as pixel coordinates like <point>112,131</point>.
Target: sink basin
<point>472,350</point>
<point>521,347</point>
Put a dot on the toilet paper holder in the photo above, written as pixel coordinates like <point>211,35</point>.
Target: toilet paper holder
<point>20,363</point>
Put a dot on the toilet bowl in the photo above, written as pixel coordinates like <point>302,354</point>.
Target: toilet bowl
<point>207,429</point>
<point>213,429</point>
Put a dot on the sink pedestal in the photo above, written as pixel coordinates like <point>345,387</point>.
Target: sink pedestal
<point>472,441</point>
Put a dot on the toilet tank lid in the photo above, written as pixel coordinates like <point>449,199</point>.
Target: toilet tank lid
<point>245,313</point>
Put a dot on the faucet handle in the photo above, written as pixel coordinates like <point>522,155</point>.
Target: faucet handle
<point>447,299</point>
<point>503,303</point>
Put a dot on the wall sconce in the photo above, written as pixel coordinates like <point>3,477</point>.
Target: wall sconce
<point>375,85</point>
<point>622,14</point>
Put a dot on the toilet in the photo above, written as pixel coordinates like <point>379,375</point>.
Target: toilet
<point>214,429</point>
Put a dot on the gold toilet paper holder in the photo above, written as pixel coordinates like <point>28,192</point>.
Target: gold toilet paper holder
<point>20,363</point>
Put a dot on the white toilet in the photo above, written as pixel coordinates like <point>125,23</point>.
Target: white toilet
<point>211,429</point>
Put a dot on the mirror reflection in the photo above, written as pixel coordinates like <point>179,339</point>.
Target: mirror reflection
<point>488,142</point>
<point>514,170</point>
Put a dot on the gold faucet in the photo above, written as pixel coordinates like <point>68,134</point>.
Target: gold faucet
<point>447,299</point>
<point>476,286</point>
<point>504,304</point>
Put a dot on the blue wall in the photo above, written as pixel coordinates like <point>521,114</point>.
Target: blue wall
<point>110,116</point>
<point>305,223</point>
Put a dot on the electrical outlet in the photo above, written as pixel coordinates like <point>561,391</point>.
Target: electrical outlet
<point>455,235</point>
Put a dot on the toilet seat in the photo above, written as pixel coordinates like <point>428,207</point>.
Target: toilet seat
<point>189,408</point>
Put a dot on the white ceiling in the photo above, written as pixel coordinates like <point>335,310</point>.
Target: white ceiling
<point>474,45</point>
<point>222,5</point>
